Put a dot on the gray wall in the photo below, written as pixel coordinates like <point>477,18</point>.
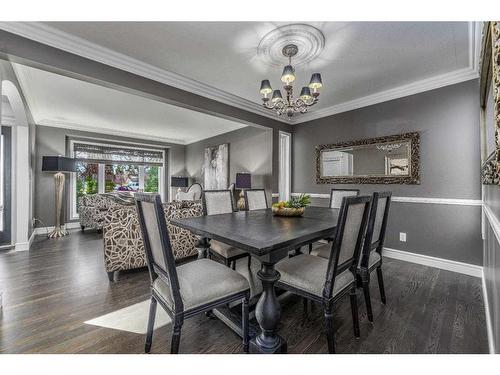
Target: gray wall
<point>54,141</point>
<point>250,150</point>
<point>448,122</point>
<point>491,263</point>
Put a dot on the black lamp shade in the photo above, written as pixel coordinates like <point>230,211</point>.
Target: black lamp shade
<point>276,96</point>
<point>58,164</point>
<point>179,182</point>
<point>316,82</point>
<point>243,181</point>
<point>265,87</point>
<point>305,94</point>
<point>288,75</point>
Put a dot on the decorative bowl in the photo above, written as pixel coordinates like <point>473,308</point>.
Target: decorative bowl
<point>285,211</point>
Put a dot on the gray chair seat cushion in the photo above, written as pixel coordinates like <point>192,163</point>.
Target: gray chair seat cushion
<point>227,251</point>
<point>201,282</point>
<point>307,273</point>
<point>323,250</point>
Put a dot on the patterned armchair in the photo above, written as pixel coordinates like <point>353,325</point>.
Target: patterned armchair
<point>93,208</point>
<point>123,247</point>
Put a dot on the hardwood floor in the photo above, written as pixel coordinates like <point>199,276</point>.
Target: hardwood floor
<point>51,290</point>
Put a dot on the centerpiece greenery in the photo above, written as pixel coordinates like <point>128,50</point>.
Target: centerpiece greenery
<point>293,207</point>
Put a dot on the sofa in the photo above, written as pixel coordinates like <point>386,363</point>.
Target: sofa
<point>123,247</point>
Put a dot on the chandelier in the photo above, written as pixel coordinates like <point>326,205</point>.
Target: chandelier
<point>289,105</point>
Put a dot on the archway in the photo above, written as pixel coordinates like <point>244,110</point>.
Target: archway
<point>20,167</point>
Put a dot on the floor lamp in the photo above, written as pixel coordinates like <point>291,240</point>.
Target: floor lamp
<point>60,165</point>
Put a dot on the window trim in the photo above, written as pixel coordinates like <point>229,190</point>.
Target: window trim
<point>101,173</point>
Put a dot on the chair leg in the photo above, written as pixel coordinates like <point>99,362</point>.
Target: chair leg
<point>176,337</point>
<point>310,248</point>
<point>227,262</point>
<point>330,337</point>
<point>234,265</point>
<point>354,310</point>
<point>381,284</point>
<point>245,324</point>
<point>83,227</point>
<point>366,292</point>
<point>151,324</point>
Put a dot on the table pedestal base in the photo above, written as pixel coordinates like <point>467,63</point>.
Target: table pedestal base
<point>258,347</point>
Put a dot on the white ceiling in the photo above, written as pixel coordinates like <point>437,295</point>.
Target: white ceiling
<point>59,101</point>
<point>363,63</point>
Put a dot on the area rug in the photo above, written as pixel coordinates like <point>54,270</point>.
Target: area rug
<point>132,318</point>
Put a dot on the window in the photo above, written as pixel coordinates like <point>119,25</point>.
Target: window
<point>87,177</point>
<point>105,168</point>
<point>151,179</point>
<point>285,162</point>
<point>121,177</point>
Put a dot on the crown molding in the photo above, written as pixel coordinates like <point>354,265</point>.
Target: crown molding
<point>58,39</point>
<point>436,82</point>
<point>81,47</point>
<point>101,130</point>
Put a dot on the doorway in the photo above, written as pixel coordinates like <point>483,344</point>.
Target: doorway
<point>5,186</point>
<point>285,165</point>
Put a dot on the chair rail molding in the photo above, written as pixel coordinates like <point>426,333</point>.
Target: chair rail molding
<point>48,35</point>
<point>446,201</point>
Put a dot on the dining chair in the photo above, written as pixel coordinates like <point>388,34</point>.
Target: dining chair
<point>196,189</point>
<point>326,281</point>
<point>371,256</point>
<point>336,196</point>
<point>255,199</point>
<point>183,291</point>
<point>217,202</point>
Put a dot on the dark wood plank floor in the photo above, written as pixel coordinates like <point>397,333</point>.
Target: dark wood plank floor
<point>51,290</point>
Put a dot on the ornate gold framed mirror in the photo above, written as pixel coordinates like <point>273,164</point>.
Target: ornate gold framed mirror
<point>391,159</point>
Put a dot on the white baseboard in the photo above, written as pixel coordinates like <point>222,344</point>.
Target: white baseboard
<point>444,264</point>
<point>22,246</point>
<point>489,326</point>
<point>45,230</point>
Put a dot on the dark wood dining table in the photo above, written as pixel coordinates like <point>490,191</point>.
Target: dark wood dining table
<point>268,238</point>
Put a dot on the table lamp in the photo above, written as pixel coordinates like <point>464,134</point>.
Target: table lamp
<point>60,165</point>
<point>243,181</point>
<point>178,182</point>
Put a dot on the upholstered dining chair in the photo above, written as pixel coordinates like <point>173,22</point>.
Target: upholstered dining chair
<point>371,256</point>
<point>255,199</point>
<point>178,290</point>
<point>326,281</point>
<point>221,202</point>
<point>196,189</point>
<point>336,196</point>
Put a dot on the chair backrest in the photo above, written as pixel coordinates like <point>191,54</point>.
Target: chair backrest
<point>197,189</point>
<point>159,255</point>
<point>377,225</point>
<point>217,202</point>
<point>255,199</point>
<point>346,246</point>
<point>336,196</point>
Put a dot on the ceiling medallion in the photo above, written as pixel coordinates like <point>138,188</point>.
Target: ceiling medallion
<point>309,41</point>
<point>290,105</point>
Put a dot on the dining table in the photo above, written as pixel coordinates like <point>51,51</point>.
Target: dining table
<point>269,239</point>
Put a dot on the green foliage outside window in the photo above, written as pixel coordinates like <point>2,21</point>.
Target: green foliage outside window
<point>151,179</point>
